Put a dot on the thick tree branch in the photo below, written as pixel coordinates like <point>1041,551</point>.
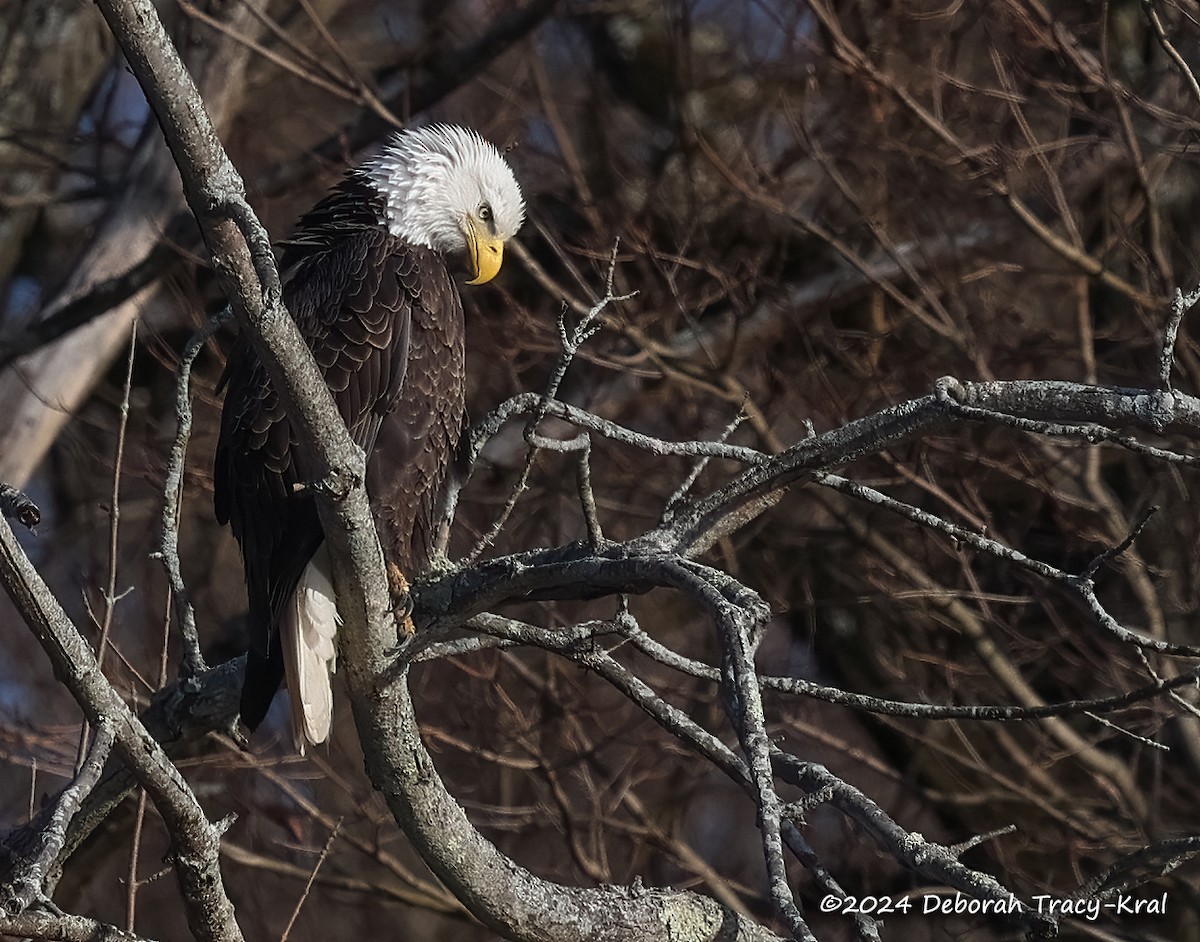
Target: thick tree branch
<point>1089,413</point>
<point>62,928</point>
<point>933,862</point>
<point>196,839</point>
<point>504,896</point>
<point>31,850</point>
<point>179,716</point>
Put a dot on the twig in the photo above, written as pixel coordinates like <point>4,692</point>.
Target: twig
<point>132,884</point>
<point>1086,590</point>
<point>1140,867</point>
<point>1180,305</point>
<point>992,713</point>
<point>1160,34</point>
<point>287,930</point>
<point>192,662</point>
<point>1145,741</point>
<point>697,468</point>
<point>963,846</point>
<point>1080,584</point>
<point>740,617</point>
<point>581,447</point>
<point>571,341</point>
<point>114,507</point>
<point>1114,551</point>
<point>114,525</point>
<point>62,928</point>
<point>588,326</point>
<point>929,859</point>
<point>529,403</point>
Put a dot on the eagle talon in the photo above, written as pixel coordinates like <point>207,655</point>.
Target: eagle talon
<point>402,603</point>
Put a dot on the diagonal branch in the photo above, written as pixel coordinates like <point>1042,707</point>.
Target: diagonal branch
<point>62,928</point>
<point>168,542</point>
<point>505,897</point>
<point>32,849</point>
<point>196,839</point>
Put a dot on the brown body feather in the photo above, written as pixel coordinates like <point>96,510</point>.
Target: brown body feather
<point>384,322</point>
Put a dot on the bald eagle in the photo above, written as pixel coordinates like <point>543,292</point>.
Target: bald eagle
<point>365,277</point>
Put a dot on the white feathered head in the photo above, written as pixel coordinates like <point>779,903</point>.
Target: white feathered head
<point>449,190</point>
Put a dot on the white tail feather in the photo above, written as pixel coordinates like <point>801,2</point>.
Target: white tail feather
<point>309,630</point>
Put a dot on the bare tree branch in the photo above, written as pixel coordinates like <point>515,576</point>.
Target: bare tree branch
<point>193,660</point>
<point>502,895</point>
<point>62,928</point>
<point>197,840</point>
<point>32,850</point>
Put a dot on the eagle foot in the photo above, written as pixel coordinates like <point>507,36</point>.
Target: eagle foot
<point>402,604</point>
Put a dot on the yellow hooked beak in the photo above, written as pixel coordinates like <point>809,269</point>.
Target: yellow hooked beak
<point>486,252</point>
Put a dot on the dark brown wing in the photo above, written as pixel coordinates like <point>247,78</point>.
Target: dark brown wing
<point>416,446</point>
<point>355,292</point>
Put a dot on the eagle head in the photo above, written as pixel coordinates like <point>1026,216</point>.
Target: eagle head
<point>448,189</point>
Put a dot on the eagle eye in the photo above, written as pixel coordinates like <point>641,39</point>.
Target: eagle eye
<point>485,212</point>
